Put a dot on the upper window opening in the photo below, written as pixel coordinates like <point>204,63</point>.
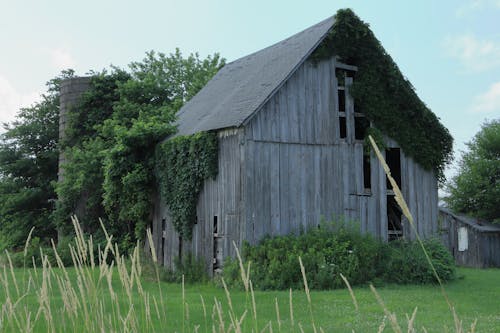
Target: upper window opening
<point>361,125</point>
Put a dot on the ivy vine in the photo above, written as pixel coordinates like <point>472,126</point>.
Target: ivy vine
<point>384,95</point>
<point>183,163</point>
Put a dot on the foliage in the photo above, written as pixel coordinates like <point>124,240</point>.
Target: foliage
<point>476,188</point>
<point>384,95</point>
<point>111,138</point>
<point>28,166</point>
<point>408,263</point>
<point>83,145</point>
<point>328,252</point>
<point>182,165</point>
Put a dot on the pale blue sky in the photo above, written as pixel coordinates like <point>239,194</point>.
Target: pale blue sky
<point>449,50</point>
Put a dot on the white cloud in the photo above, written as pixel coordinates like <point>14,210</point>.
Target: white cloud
<point>61,58</point>
<point>488,102</point>
<point>475,55</point>
<point>12,100</point>
<point>475,5</point>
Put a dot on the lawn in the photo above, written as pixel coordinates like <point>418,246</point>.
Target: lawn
<point>89,302</point>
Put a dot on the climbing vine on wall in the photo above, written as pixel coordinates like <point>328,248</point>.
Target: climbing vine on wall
<point>384,95</point>
<point>183,163</point>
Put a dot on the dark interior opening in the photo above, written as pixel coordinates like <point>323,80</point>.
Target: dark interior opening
<point>341,98</point>
<point>393,159</point>
<point>180,248</point>
<point>216,225</point>
<point>367,177</point>
<point>343,127</point>
<point>163,236</point>
<point>394,214</point>
<point>340,74</point>
<point>361,125</point>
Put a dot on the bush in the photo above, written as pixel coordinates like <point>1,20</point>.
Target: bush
<point>326,252</point>
<point>408,263</point>
<point>330,251</point>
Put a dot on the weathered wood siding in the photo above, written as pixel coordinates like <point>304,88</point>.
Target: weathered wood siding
<point>221,197</point>
<point>483,241</point>
<point>299,170</point>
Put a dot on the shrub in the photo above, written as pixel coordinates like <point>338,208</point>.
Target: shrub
<point>330,251</point>
<point>326,253</point>
<point>408,263</point>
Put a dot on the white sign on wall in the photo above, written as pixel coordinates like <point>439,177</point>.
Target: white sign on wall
<point>463,239</point>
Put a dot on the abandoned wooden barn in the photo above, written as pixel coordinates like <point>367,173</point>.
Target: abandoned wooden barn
<point>472,242</point>
<point>291,152</point>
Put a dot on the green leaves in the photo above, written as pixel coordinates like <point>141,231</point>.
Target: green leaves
<point>182,165</point>
<point>476,188</point>
<point>28,168</point>
<point>113,134</point>
<point>386,97</point>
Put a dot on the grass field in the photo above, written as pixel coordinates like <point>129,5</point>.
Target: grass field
<point>475,296</point>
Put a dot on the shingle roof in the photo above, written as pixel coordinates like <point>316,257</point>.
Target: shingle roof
<point>241,87</point>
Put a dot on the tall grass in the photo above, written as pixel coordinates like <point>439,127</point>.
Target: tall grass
<point>107,295</point>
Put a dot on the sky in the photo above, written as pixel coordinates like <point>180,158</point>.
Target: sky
<point>449,50</point>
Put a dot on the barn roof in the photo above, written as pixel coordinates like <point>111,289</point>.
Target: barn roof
<point>474,223</point>
<point>241,87</point>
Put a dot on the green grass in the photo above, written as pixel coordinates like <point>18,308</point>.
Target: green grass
<point>475,296</point>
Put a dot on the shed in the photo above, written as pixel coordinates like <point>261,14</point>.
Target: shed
<point>291,153</point>
<point>472,242</point>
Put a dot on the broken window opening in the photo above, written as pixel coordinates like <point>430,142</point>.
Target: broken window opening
<point>367,177</point>
<point>216,225</point>
<point>361,126</point>
<point>217,247</point>
<point>180,249</point>
<point>340,74</point>
<point>393,159</point>
<point>163,236</point>
<point>341,99</point>
<point>343,126</point>
<point>394,222</point>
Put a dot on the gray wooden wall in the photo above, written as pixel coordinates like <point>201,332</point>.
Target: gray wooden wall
<point>221,197</point>
<point>483,240</point>
<point>298,169</point>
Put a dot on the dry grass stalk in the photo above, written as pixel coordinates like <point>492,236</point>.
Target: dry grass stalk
<point>351,292</point>
<point>292,321</point>
<point>308,294</point>
<point>278,319</point>
<point>391,316</point>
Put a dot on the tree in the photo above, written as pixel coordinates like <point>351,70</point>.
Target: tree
<point>475,190</point>
<point>111,139</point>
<point>28,168</point>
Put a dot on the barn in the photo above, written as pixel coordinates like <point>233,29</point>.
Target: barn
<point>471,241</point>
<point>291,153</point>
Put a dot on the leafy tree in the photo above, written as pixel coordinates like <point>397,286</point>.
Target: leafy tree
<point>143,116</point>
<point>28,168</point>
<point>475,189</point>
<point>112,135</point>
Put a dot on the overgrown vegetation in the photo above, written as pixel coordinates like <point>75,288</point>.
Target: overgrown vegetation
<point>330,251</point>
<point>476,188</point>
<point>384,95</point>
<point>28,168</point>
<point>182,165</point>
